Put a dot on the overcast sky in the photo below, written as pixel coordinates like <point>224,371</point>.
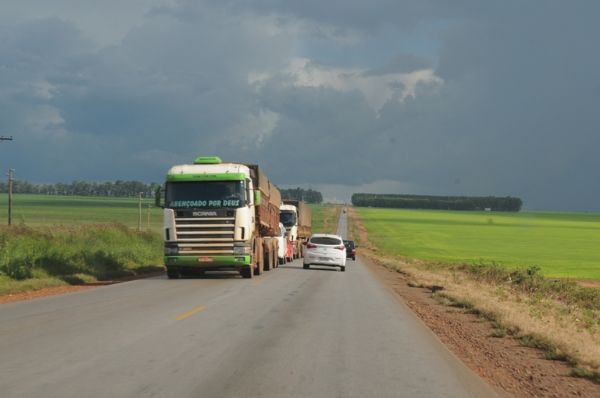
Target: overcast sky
<point>462,97</point>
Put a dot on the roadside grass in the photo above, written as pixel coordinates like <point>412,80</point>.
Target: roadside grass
<point>50,210</point>
<point>325,218</point>
<point>562,245</point>
<point>559,317</point>
<point>34,258</point>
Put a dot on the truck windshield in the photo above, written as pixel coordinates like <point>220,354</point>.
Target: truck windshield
<point>287,218</point>
<point>205,194</point>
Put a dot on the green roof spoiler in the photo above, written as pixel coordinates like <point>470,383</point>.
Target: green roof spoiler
<point>208,160</point>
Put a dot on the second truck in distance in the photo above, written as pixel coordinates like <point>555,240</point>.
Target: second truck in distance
<point>296,216</point>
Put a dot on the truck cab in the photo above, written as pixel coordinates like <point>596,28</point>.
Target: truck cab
<point>212,219</point>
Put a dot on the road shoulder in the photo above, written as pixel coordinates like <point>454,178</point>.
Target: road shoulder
<point>502,362</point>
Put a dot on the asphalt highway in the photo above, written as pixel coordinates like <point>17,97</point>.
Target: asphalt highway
<point>288,333</point>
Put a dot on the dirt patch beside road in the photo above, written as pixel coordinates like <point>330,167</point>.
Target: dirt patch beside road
<point>503,362</point>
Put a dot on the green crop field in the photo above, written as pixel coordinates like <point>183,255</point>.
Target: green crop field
<point>43,210</point>
<point>565,245</point>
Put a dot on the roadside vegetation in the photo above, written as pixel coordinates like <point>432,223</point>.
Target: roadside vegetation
<point>35,258</point>
<point>558,316</point>
<point>61,240</point>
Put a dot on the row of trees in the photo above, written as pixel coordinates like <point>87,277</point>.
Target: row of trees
<point>82,188</point>
<point>307,195</point>
<point>126,188</point>
<point>438,202</point>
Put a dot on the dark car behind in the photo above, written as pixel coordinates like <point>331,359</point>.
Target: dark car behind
<point>350,249</point>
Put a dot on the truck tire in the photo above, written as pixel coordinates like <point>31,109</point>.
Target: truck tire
<point>260,259</point>
<point>172,273</point>
<point>247,272</point>
<point>343,269</point>
<point>267,262</point>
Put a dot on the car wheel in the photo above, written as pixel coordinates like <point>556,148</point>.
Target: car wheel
<point>353,258</point>
<point>306,266</point>
<point>343,269</point>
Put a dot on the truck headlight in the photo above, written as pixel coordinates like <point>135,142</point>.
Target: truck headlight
<point>241,249</point>
<point>171,250</point>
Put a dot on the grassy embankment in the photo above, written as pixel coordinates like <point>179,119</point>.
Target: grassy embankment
<point>493,263</point>
<point>70,240</point>
<point>325,218</point>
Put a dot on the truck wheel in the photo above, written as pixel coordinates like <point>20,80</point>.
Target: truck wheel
<point>343,269</point>
<point>247,272</point>
<point>267,262</point>
<point>172,273</point>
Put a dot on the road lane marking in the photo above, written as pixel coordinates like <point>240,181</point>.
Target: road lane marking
<point>191,312</point>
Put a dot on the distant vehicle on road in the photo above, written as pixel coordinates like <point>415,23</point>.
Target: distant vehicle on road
<point>350,249</point>
<point>296,216</point>
<point>325,249</point>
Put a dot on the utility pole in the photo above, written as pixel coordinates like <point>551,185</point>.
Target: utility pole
<point>10,188</point>
<point>10,183</point>
<point>140,213</point>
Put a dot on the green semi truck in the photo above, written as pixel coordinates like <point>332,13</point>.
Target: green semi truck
<point>219,216</point>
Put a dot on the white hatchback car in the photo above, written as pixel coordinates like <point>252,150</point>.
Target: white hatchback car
<point>325,249</point>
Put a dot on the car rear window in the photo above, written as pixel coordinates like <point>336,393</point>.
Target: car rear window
<point>325,240</point>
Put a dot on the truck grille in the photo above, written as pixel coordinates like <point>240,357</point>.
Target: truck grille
<point>205,235</point>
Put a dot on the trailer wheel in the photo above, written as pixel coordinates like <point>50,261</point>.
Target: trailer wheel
<point>172,273</point>
<point>260,260</point>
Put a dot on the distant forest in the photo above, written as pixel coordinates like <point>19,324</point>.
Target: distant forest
<point>126,189</point>
<point>82,188</point>
<point>438,202</point>
<point>307,195</point>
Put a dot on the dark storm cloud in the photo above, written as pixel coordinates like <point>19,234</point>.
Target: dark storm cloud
<point>504,102</point>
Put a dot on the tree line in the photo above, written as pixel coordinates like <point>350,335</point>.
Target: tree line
<point>83,188</point>
<point>307,195</point>
<point>480,203</point>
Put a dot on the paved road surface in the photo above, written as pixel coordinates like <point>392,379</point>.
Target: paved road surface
<point>288,333</point>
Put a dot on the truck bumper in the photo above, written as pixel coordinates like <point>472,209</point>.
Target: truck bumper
<point>209,262</point>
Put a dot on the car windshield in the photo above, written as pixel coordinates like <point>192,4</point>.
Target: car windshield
<point>325,240</point>
<point>287,218</point>
<point>211,194</point>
